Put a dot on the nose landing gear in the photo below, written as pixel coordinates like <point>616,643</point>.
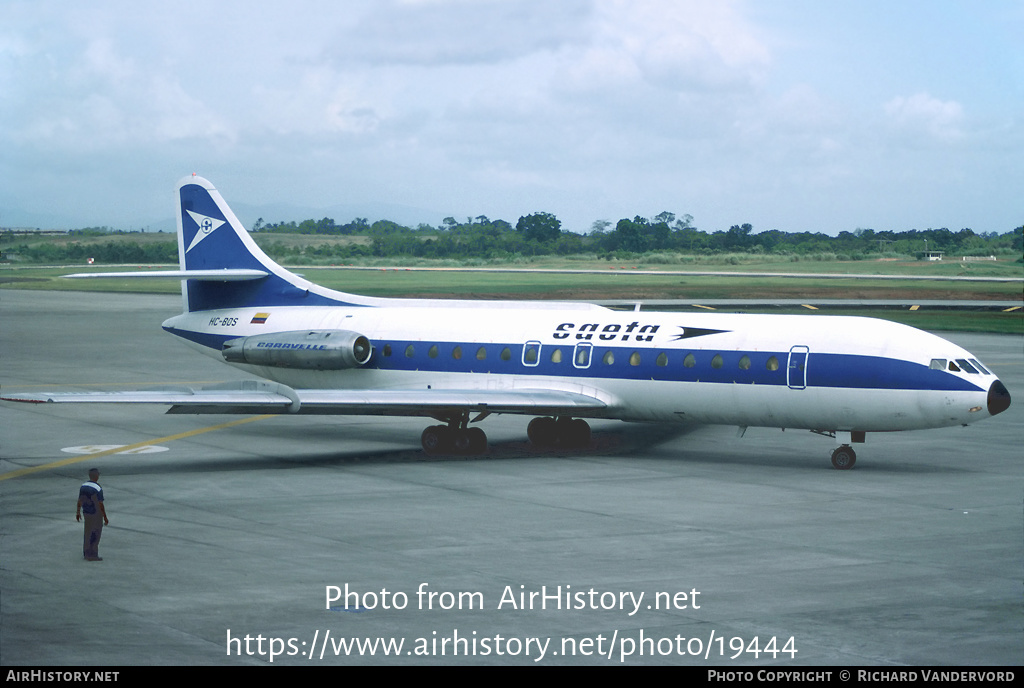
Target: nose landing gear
<point>843,458</point>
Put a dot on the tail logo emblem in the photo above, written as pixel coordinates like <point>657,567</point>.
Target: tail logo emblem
<point>207,225</point>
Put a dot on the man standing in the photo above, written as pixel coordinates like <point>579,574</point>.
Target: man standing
<point>90,501</point>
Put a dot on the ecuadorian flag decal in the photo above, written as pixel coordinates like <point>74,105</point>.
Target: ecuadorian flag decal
<point>259,318</point>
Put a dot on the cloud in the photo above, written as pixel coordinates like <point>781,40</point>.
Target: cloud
<point>676,45</point>
<point>586,108</point>
<point>458,32</point>
<point>941,120</point>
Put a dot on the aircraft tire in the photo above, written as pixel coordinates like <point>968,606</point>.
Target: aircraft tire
<point>437,439</point>
<point>462,442</point>
<point>575,434</point>
<point>477,440</point>
<point>543,432</point>
<point>844,458</point>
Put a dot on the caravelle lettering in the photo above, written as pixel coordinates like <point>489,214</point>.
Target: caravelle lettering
<point>285,345</point>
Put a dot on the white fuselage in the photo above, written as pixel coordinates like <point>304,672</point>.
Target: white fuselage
<point>814,372</point>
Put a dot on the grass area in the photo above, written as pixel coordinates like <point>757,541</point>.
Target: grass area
<point>719,263</point>
<point>745,262</point>
<point>646,285</point>
<point>611,284</point>
<point>951,320</point>
<point>548,285</point>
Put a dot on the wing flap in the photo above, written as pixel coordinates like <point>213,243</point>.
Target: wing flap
<point>432,401</point>
<point>268,397</point>
<point>154,397</point>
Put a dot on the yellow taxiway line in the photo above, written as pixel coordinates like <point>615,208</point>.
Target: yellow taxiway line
<point>170,438</point>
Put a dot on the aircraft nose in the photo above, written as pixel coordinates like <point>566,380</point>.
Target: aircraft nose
<point>998,398</point>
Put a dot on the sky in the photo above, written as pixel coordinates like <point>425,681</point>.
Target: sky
<point>795,115</point>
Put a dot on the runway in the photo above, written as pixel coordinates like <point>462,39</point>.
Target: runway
<point>657,545</point>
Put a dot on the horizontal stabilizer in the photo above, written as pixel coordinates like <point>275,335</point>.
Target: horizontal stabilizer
<point>254,392</point>
<point>225,275</point>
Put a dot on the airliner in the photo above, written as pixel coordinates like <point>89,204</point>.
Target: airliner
<point>320,351</point>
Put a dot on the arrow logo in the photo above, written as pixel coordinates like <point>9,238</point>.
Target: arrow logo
<point>207,225</point>
<point>688,332</point>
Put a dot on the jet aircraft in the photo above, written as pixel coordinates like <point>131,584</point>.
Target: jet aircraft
<point>320,351</point>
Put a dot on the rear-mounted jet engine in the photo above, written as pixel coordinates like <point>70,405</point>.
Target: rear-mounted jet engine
<point>306,349</point>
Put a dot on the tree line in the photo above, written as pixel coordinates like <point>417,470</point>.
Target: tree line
<point>105,252</point>
<point>541,234</point>
<point>538,234</point>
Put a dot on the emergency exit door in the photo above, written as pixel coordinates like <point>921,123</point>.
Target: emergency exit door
<point>796,375</point>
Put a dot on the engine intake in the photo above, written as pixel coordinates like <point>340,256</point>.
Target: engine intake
<point>306,349</point>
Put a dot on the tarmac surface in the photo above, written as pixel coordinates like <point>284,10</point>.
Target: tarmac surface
<point>228,530</point>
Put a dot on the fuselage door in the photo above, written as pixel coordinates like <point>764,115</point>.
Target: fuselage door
<point>796,375</point>
<point>581,355</point>
<point>531,353</point>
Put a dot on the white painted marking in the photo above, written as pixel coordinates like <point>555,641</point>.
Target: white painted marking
<point>97,448</point>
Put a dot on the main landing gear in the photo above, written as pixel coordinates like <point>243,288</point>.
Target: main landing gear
<point>452,439</point>
<point>458,438</point>
<point>568,433</point>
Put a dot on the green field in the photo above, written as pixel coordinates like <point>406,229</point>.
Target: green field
<point>632,282</point>
<point>552,283</point>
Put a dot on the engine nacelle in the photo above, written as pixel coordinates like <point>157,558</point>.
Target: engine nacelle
<point>306,349</point>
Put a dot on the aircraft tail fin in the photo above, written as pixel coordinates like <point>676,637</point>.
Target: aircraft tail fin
<point>211,238</point>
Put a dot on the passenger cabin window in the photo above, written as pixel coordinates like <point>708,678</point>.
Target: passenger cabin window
<point>609,358</point>
<point>432,351</point>
<point>387,349</point>
<point>745,363</point>
<point>457,353</point>
<point>689,361</point>
<point>556,356</point>
<point>481,354</point>
<point>772,363</point>
<point>634,358</point>
<point>662,359</point>
<point>506,354</point>
<point>409,351</point>
<point>717,362</point>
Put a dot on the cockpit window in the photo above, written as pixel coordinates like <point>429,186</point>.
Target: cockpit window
<point>966,366</point>
<point>979,366</point>
<point>953,368</point>
<point>938,364</point>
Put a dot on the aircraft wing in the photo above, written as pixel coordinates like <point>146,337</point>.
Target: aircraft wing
<point>253,396</point>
